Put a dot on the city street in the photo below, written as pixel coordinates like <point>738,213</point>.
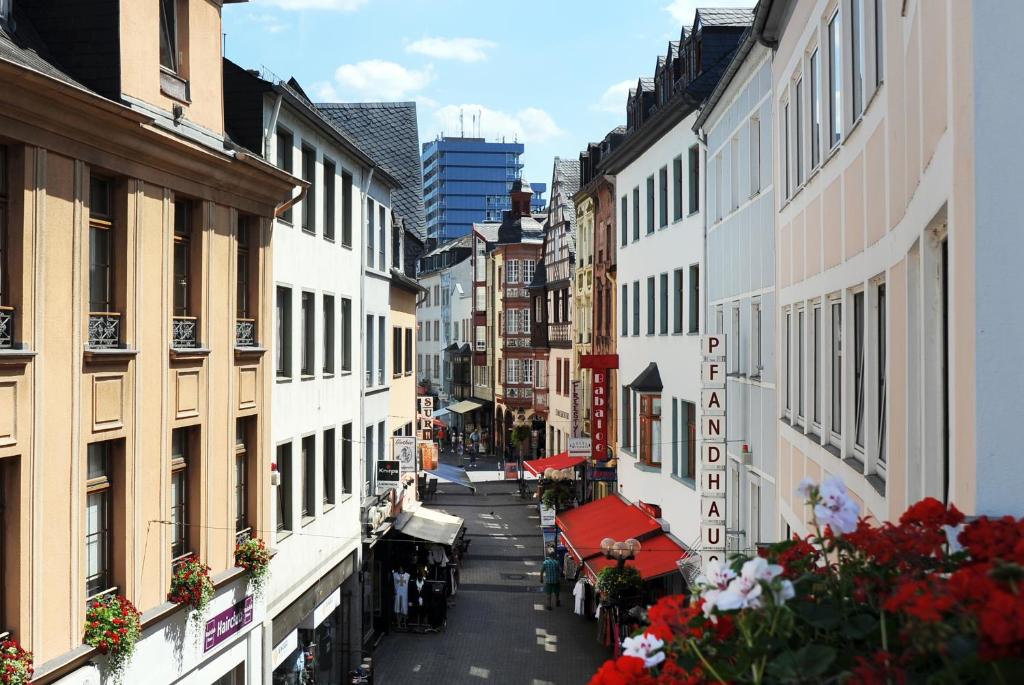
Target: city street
<point>498,631</point>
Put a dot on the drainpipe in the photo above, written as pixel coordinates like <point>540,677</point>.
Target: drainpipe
<point>363,192</point>
<point>268,137</point>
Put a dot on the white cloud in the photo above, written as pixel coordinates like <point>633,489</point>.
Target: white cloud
<point>324,91</point>
<point>683,11</point>
<point>376,79</point>
<point>269,22</point>
<point>461,49</point>
<point>530,125</point>
<point>339,5</point>
<point>613,99</point>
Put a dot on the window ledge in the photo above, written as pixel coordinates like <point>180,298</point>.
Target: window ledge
<point>877,482</point>
<point>185,353</point>
<point>306,520</point>
<point>329,507</point>
<point>283,379</point>
<point>327,374</point>
<point>307,377</point>
<point>855,463</point>
<point>282,535</point>
<point>811,435</point>
<point>18,356</point>
<point>648,468</point>
<point>833,450</point>
<point>688,482</point>
<point>249,351</point>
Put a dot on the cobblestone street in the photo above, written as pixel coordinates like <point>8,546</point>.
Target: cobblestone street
<point>498,631</point>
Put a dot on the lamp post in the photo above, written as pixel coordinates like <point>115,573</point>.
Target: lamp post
<point>620,552</point>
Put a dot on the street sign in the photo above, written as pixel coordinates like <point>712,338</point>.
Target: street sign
<point>579,447</point>
<point>388,474</point>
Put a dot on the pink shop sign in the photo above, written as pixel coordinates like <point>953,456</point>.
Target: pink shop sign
<point>227,623</point>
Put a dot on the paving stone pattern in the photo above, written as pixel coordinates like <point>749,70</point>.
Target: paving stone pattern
<point>498,631</point>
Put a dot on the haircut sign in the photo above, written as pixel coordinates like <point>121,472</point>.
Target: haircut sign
<point>712,450</point>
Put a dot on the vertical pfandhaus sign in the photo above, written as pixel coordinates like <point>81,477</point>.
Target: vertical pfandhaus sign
<point>712,450</point>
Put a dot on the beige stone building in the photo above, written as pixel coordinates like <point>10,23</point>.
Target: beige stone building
<point>135,296</point>
<point>897,329</point>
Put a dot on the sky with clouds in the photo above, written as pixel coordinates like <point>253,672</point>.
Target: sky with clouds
<point>552,74</point>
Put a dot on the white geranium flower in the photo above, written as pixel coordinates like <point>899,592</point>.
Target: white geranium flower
<point>742,593</point>
<point>646,647</point>
<point>714,580</point>
<point>759,569</point>
<point>835,508</point>
<point>783,591</point>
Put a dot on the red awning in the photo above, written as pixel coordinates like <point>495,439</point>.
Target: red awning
<point>560,461</point>
<point>584,527</point>
<point>657,557</point>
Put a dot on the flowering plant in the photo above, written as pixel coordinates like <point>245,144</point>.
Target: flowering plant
<point>929,598</point>
<point>252,555</point>
<point>617,584</point>
<point>191,585</point>
<point>15,664</point>
<point>558,494</point>
<point>112,626</point>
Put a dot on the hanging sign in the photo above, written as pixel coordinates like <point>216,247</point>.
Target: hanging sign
<point>600,364</point>
<point>713,441</point>
<point>404,452</point>
<point>574,409</point>
<point>387,475</point>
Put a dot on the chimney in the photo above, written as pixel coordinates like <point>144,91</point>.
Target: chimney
<point>521,194</point>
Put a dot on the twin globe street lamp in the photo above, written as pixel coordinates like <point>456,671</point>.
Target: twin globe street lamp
<point>620,552</point>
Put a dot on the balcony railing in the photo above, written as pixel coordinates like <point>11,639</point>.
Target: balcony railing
<point>6,328</point>
<point>92,598</point>
<point>185,332</point>
<point>520,393</point>
<point>177,561</point>
<point>559,332</point>
<point>245,333</point>
<point>104,330</point>
<point>243,535</point>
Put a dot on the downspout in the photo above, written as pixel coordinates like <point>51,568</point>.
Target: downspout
<point>268,137</point>
<point>363,192</point>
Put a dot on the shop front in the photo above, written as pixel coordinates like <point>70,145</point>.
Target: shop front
<point>316,638</point>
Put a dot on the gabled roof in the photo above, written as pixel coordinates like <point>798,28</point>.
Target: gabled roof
<point>649,380</point>
<point>488,230</point>
<point>645,83</point>
<point>389,133</point>
<point>724,16</point>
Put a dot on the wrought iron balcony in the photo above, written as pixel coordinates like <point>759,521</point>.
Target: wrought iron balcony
<point>104,330</point>
<point>245,332</point>
<point>185,332</point>
<point>6,328</point>
<point>243,535</point>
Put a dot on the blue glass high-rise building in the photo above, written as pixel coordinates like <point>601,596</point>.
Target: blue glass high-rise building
<point>467,180</point>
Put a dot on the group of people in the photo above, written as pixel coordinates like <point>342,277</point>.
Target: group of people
<point>462,445</point>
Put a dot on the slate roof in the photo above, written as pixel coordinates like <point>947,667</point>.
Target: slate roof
<point>25,48</point>
<point>488,229</point>
<point>649,380</point>
<point>387,131</point>
<point>646,83</point>
<point>567,172</point>
<point>725,16</point>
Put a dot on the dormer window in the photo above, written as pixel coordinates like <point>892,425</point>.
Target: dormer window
<point>169,56</point>
<point>173,48</point>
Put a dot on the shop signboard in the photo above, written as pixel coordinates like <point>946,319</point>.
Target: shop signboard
<point>388,475</point>
<point>599,473</point>
<point>713,448</point>
<point>283,648</point>
<point>511,470</point>
<point>601,364</point>
<point>404,451</point>
<point>547,516</point>
<point>579,447</point>
<point>428,455</point>
<point>322,610</point>
<point>227,623</point>
<point>574,409</point>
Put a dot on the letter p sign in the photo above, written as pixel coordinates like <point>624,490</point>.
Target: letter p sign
<point>713,346</point>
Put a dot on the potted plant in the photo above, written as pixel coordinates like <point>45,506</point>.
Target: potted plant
<point>253,555</point>
<point>191,586</point>
<point>619,584</point>
<point>558,494</point>
<point>15,664</point>
<point>113,627</point>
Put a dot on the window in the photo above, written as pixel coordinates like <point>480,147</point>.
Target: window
<point>719,319</point>
<point>182,257</point>
<point>880,389</point>
<point>5,286</point>
<point>677,310</point>
<point>816,364</point>
<point>627,420</point>
<point>330,178</point>
<point>857,55</point>
<point>170,36</point>
<point>381,328</point>
<point>511,273</point>
<point>369,233</point>
<point>800,364</point>
<point>284,332</point>
<point>789,361</point>
<point>529,268</point>
<point>242,528</point>
<point>650,205</point>
<point>650,305</point>
<point>245,302</point>
<point>734,172</point>
<point>396,245</point>
<point>625,309</point>
<point>663,197</point>
<point>677,188</point>
<point>687,441</point>
<point>382,242</point>
<point>858,369</point>
<point>734,340</point>
<point>101,246</point>
<point>408,351</point>
<point>663,305</point>
<point>624,226</point>
<point>396,351</point>
<point>788,142</point>
<point>837,369</point>
<point>835,91</point>
<point>285,147</point>
<point>512,371</point>
<point>879,41</point>
<point>798,130</point>
<point>636,213</point>
<point>369,350</point>
<point>308,478</point>
<point>346,209</point>
<point>755,339</point>
<point>755,512</point>
<point>328,365</point>
<point>755,156</point>
<point>180,514</point>
<point>346,458</point>
<point>346,334</point>
<point>694,303</point>
<point>528,371</point>
<point>370,474</point>
<point>99,506</point>
<point>309,175</point>
<point>284,490</point>
<point>815,75</point>
<point>308,328</point>
<point>636,307</point>
<point>650,429</point>
<point>694,158</point>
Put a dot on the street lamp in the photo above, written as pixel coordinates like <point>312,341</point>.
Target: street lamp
<point>558,474</point>
<point>620,552</point>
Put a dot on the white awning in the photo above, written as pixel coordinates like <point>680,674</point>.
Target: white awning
<point>464,406</point>
<point>430,525</point>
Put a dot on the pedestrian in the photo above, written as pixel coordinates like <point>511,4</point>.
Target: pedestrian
<point>550,577</point>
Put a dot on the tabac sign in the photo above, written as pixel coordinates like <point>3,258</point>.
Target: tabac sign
<point>712,449</point>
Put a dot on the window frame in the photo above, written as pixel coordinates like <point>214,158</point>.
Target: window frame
<point>833,34</point>
<point>307,361</point>
<point>677,188</point>
<point>308,218</point>
<point>100,485</point>
<point>330,179</point>
<point>650,205</point>
<point>693,305</point>
<point>307,454</point>
<point>283,332</point>
<point>663,197</point>
<point>283,497</point>
<point>327,307</point>
<point>694,179</point>
<point>650,448</point>
<point>651,311</point>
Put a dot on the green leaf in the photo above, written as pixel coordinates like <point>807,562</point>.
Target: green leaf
<point>824,615</point>
<point>859,626</point>
<point>803,665</point>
